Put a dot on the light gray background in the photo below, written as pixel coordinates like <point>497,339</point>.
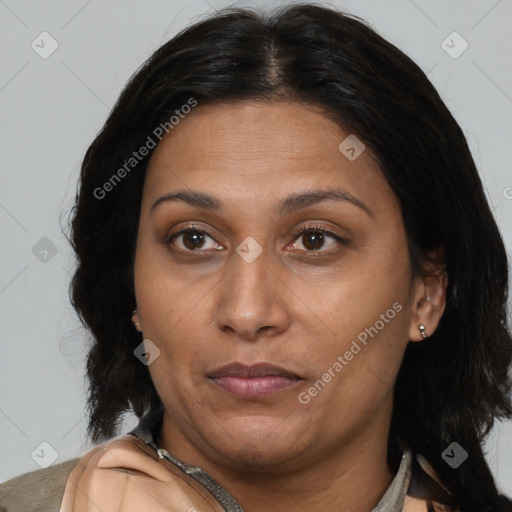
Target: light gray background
<point>52,108</point>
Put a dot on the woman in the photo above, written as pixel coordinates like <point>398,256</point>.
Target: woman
<point>292,276</point>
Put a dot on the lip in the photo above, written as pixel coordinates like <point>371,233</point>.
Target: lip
<point>252,381</point>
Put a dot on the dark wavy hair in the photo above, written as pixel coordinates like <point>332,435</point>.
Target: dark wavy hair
<point>449,388</point>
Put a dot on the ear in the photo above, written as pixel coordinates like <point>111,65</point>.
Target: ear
<point>136,321</point>
<point>429,296</point>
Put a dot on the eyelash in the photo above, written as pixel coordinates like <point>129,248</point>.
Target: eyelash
<point>193,229</point>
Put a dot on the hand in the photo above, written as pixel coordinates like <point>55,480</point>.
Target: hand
<point>125,475</point>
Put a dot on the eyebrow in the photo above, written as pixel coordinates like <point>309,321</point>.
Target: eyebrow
<point>286,206</point>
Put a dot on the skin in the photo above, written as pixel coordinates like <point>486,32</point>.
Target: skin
<point>288,307</point>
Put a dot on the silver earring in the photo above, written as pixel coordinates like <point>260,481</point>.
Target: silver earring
<point>421,327</point>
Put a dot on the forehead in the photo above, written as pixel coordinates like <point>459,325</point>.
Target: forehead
<point>253,151</point>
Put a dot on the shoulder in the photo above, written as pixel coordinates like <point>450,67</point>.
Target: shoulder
<point>39,490</point>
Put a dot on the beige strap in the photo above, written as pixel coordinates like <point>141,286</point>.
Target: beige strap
<point>418,505</point>
<point>126,475</point>
<point>414,505</point>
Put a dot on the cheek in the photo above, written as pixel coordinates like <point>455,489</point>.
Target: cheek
<point>355,371</point>
<point>355,297</point>
<point>174,311</point>
<point>362,317</point>
<point>164,298</point>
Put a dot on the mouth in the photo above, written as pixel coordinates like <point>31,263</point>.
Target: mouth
<point>253,381</point>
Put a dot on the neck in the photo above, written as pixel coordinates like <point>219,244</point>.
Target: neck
<point>348,482</point>
<point>352,476</point>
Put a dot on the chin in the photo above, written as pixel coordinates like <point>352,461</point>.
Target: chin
<point>269,458</point>
<point>259,442</point>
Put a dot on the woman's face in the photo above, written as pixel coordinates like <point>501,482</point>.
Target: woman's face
<point>325,315</point>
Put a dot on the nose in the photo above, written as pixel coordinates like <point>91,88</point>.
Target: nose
<point>252,300</point>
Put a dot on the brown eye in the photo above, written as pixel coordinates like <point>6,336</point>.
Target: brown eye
<point>191,239</point>
<point>313,240</point>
